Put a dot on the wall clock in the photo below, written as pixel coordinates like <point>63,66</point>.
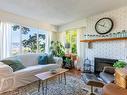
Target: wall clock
<point>104,25</point>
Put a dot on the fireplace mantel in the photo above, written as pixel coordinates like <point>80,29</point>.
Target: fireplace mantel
<point>104,39</point>
<point>101,40</point>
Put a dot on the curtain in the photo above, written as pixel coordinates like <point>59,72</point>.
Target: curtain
<point>5,39</point>
<point>80,47</point>
<point>48,41</point>
<point>78,41</point>
<point>51,36</point>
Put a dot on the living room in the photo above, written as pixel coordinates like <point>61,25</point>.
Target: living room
<point>63,47</point>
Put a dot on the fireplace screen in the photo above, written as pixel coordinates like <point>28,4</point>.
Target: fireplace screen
<point>100,63</point>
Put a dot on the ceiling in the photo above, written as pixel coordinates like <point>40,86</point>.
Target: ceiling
<point>59,12</point>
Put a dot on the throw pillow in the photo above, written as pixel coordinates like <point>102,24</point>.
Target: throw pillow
<point>51,59</point>
<point>14,64</point>
<point>109,69</point>
<point>43,59</point>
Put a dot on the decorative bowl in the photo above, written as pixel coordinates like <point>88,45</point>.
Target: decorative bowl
<point>53,71</point>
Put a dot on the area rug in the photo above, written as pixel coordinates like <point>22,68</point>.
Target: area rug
<point>74,86</point>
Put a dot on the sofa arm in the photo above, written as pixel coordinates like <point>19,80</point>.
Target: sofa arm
<point>113,89</point>
<point>6,78</point>
<point>109,69</point>
<point>7,83</point>
<point>59,61</point>
<point>5,70</point>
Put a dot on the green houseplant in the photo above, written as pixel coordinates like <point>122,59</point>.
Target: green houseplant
<point>68,62</point>
<point>57,49</point>
<point>120,64</point>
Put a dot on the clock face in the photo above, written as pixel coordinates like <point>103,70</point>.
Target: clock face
<point>104,26</point>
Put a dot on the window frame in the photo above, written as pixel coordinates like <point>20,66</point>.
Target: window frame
<point>21,38</point>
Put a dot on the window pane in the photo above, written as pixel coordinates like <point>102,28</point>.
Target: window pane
<point>68,37</point>
<point>41,41</point>
<point>15,43</point>
<point>29,40</point>
<point>74,42</point>
<point>71,37</point>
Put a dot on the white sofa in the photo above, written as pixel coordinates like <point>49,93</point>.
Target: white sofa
<point>10,80</point>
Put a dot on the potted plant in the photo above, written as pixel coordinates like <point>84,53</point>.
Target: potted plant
<point>120,64</point>
<point>57,49</point>
<point>68,63</point>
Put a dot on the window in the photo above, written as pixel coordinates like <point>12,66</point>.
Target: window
<point>71,37</point>
<point>27,40</point>
<point>15,42</point>
<point>41,41</point>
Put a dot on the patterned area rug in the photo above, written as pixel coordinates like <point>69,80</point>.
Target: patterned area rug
<point>74,86</point>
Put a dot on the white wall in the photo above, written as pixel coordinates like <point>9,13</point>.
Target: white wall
<point>118,16</point>
<point>113,49</point>
<point>74,24</point>
<point>9,17</point>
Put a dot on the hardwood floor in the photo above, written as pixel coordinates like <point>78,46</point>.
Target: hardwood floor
<point>74,72</point>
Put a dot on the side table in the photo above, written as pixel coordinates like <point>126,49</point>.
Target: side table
<point>121,78</point>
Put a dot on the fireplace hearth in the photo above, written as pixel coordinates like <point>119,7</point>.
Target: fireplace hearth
<point>100,63</point>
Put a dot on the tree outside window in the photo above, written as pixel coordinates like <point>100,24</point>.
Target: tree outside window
<point>71,37</point>
<point>30,40</point>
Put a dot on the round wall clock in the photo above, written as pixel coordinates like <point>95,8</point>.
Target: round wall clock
<point>104,25</point>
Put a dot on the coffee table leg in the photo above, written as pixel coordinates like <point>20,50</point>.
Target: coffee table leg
<point>39,85</point>
<point>46,87</point>
<point>59,78</point>
<point>42,83</point>
<point>65,78</point>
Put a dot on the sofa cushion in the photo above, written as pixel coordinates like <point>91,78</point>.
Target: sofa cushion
<point>43,59</point>
<point>14,64</point>
<point>32,59</point>
<point>109,69</point>
<point>106,77</point>
<point>32,70</point>
<point>29,59</point>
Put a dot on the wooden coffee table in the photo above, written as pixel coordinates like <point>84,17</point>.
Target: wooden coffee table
<point>43,77</point>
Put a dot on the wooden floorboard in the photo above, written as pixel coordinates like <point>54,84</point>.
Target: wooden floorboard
<point>74,72</point>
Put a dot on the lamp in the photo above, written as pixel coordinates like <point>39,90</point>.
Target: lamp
<point>67,46</point>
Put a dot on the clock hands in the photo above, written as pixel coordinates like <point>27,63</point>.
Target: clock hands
<point>103,25</point>
<point>100,25</point>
